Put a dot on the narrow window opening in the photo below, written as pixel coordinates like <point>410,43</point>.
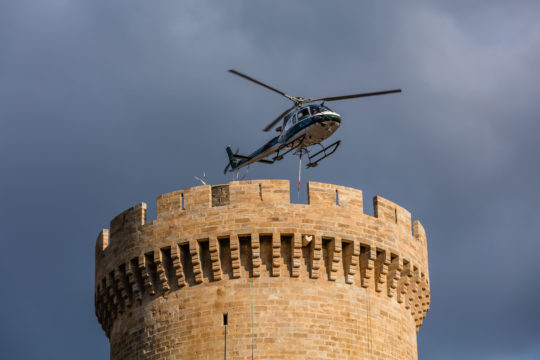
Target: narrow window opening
<point>395,214</point>
<point>337,198</point>
<point>260,192</point>
<point>225,319</point>
<point>182,200</point>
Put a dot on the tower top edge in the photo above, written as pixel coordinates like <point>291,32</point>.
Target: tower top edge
<point>260,193</point>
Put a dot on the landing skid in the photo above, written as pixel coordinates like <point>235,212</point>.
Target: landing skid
<point>298,146</point>
<point>314,159</point>
<point>325,151</point>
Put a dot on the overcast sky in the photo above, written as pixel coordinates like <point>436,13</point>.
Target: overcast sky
<point>104,104</point>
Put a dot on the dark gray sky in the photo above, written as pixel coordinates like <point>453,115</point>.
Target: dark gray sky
<point>104,104</point>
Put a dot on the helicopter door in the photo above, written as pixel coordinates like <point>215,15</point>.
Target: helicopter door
<point>291,122</point>
<point>303,113</point>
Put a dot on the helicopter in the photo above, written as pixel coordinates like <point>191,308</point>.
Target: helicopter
<point>304,125</point>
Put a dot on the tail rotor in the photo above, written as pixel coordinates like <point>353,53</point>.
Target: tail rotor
<point>233,162</point>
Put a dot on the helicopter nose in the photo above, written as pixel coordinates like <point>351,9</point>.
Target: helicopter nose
<point>332,121</point>
<point>332,118</point>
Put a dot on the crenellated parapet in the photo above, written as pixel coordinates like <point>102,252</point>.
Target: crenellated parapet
<point>249,230</point>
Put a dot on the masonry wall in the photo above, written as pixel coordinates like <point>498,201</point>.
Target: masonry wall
<point>318,281</point>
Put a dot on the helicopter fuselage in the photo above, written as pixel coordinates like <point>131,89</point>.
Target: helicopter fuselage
<point>301,128</point>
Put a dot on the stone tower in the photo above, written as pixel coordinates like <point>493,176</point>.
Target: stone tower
<point>238,272</point>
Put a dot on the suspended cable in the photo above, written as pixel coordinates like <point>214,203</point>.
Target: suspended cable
<point>299,173</point>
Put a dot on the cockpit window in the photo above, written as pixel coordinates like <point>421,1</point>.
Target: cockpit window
<point>303,113</point>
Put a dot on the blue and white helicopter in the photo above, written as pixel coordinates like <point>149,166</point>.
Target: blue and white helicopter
<point>304,125</point>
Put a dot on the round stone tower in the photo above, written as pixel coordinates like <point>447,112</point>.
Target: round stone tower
<point>238,272</point>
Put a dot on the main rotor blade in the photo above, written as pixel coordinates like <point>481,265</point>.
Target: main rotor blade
<point>333,98</point>
<point>273,123</point>
<point>258,83</point>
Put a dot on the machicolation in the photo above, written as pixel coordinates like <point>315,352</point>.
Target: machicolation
<point>238,272</point>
